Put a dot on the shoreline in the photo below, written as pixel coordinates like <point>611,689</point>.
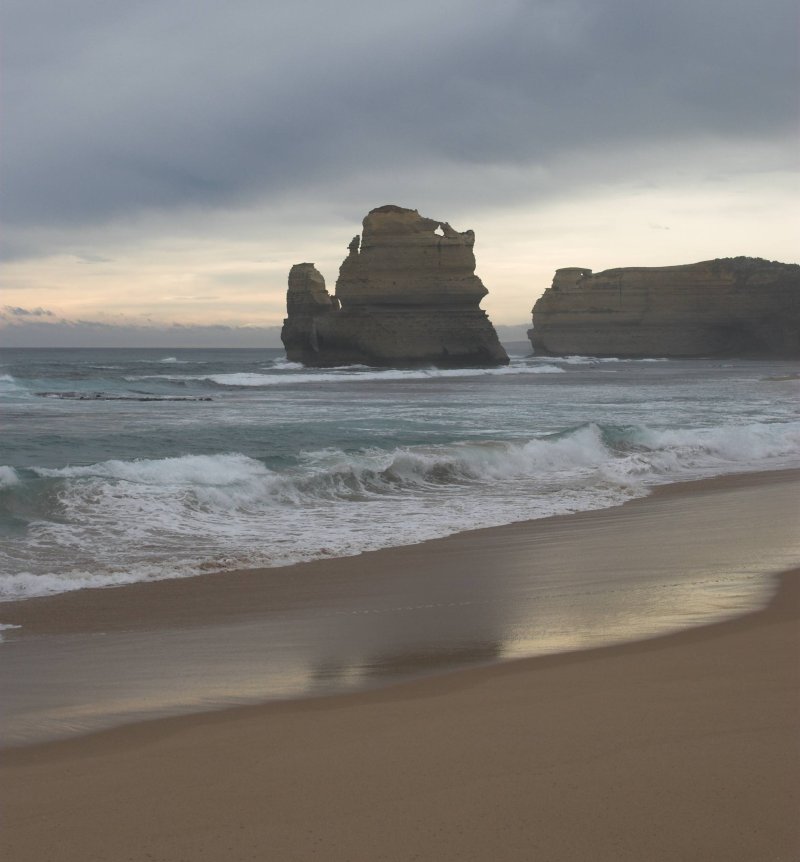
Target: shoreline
<point>104,608</point>
<point>686,556</point>
<point>682,746</point>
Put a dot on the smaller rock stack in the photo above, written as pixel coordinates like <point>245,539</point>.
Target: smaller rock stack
<point>739,306</point>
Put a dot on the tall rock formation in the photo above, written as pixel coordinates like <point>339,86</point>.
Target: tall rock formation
<point>737,306</point>
<point>407,294</point>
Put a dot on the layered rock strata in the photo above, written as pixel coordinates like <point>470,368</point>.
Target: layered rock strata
<point>407,295</point>
<point>727,307</point>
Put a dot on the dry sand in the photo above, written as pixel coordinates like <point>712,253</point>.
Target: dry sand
<point>683,747</point>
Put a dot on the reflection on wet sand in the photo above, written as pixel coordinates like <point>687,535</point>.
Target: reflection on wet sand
<point>597,578</point>
<point>389,666</point>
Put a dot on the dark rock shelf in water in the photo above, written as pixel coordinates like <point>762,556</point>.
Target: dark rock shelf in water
<point>102,396</point>
<point>407,295</point>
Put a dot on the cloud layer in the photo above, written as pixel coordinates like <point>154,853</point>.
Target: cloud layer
<point>113,107</point>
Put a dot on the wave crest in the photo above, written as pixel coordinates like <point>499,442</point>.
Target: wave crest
<point>188,470</point>
<point>8,477</point>
<point>121,521</point>
<point>625,453</point>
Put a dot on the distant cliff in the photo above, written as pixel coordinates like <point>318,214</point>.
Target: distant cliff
<point>407,294</point>
<point>738,306</point>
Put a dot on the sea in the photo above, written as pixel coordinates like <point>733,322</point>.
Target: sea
<point>127,465</point>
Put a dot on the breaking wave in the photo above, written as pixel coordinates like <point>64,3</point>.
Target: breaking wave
<point>145,519</point>
<point>349,374</point>
<point>593,360</point>
<point>10,386</point>
<point>8,477</point>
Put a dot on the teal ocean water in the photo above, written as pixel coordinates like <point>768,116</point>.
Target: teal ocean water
<point>127,465</point>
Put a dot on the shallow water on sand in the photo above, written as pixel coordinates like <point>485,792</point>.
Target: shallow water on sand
<point>658,565</point>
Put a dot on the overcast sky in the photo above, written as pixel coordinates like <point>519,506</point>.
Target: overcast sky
<point>166,161</point>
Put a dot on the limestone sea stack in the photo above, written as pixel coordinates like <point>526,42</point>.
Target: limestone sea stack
<point>407,295</point>
<point>740,306</point>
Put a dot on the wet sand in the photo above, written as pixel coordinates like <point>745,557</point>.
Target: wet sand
<point>683,746</point>
<point>686,556</point>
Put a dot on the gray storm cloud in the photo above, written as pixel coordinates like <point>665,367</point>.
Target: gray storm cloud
<point>13,311</point>
<point>114,108</point>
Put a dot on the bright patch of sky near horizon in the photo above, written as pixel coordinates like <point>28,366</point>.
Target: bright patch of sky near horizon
<point>206,149</point>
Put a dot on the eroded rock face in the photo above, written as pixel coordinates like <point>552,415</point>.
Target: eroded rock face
<point>727,307</point>
<point>407,294</point>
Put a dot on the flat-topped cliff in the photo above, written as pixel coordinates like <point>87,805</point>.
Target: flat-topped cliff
<point>407,294</point>
<point>737,306</point>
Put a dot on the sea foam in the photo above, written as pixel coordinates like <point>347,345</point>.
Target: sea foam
<point>348,374</point>
<point>122,521</point>
<point>8,477</point>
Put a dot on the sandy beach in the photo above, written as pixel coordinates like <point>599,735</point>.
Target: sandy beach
<point>682,746</point>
